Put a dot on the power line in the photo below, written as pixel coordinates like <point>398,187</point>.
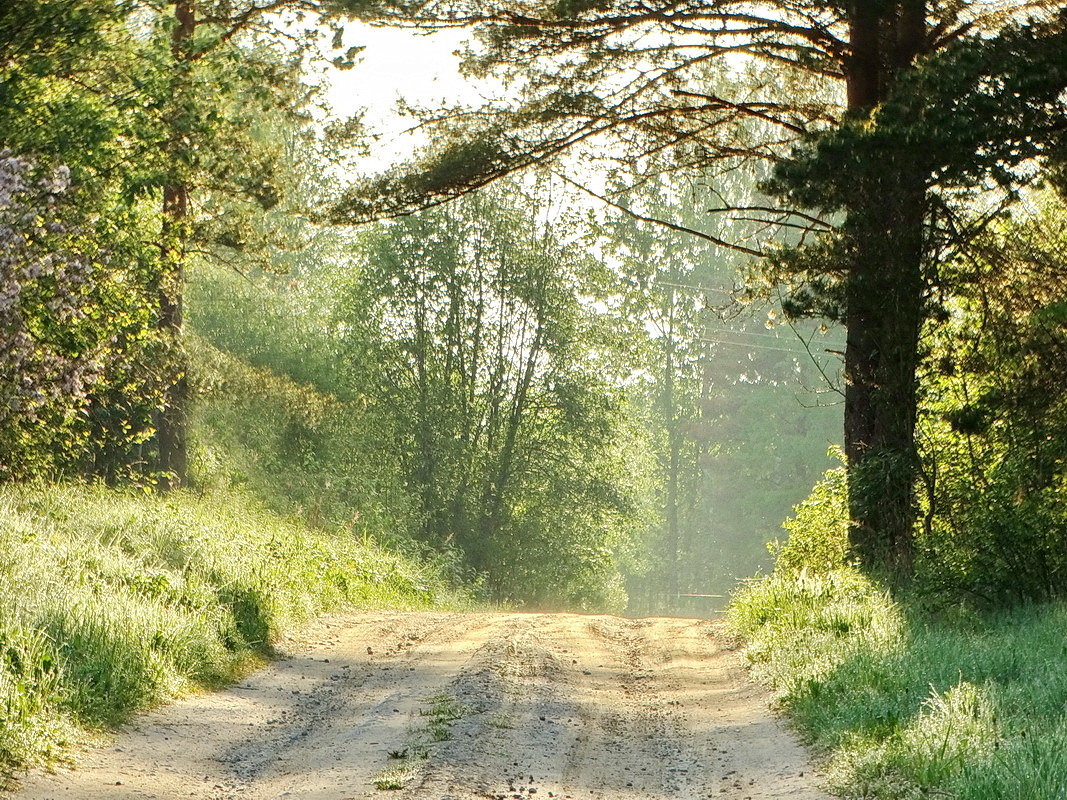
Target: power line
<point>776,337</point>
<point>791,351</point>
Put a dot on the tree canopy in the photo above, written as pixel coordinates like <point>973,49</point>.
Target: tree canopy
<point>570,396</point>
<point>873,118</point>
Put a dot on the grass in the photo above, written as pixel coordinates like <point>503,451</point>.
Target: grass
<point>443,711</point>
<point>112,602</point>
<point>440,714</point>
<point>903,704</point>
<point>396,777</point>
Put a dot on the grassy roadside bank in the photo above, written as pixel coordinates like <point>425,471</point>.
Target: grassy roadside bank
<point>904,704</point>
<point>111,602</point>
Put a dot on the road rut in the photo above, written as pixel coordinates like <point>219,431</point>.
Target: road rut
<point>436,706</point>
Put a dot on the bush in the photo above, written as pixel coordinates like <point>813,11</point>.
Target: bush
<point>818,530</point>
<point>994,423</point>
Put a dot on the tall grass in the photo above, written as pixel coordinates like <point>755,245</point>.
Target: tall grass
<point>903,704</point>
<point>298,449</point>
<point>111,602</point>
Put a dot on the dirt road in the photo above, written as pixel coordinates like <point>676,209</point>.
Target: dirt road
<point>436,706</point>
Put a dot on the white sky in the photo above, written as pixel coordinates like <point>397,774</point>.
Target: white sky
<point>397,63</point>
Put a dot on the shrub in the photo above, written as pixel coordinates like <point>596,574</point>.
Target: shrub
<point>818,530</point>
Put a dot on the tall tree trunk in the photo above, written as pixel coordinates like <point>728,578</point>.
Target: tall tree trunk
<point>499,482</point>
<point>674,445</point>
<point>172,420</point>
<point>884,316</point>
<point>428,475</point>
<point>884,297</point>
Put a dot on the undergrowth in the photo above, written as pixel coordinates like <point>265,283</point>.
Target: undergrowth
<point>111,602</point>
<point>299,449</point>
<point>906,699</point>
<point>905,704</point>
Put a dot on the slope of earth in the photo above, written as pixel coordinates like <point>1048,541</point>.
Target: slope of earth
<point>435,706</point>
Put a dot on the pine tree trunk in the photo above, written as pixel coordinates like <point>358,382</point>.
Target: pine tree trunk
<point>884,298</point>
<point>884,316</point>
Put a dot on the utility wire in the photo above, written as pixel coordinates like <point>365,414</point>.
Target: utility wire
<point>753,346</point>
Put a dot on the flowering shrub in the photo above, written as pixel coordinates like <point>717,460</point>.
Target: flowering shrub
<point>63,325</point>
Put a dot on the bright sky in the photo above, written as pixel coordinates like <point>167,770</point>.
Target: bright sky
<point>397,63</point>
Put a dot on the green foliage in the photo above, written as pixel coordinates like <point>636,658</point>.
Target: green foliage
<point>971,113</point>
<point>38,37</point>
<point>996,421</point>
<point>75,328</point>
<point>904,167</point>
<point>818,529</point>
<point>991,430</point>
<point>300,450</point>
<point>275,412</point>
<point>444,378</point>
<point>58,82</point>
<point>502,388</point>
<point>102,91</point>
<point>727,402</point>
<point>442,175</point>
<point>902,705</point>
<point>112,602</point>
<point>42,113</point>
<point>973,116</point>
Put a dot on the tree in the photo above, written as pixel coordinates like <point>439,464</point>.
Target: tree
<point>211,52</point>
<point>163,115</point>
<point>84,299</point>
<point>973,118</point>
<point>466,327</point>
<point>172,106</point>
<point>638,73</point>
<point>735,448</point>
<point>72,321</point>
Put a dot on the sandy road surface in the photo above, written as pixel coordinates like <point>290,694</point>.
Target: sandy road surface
<point>457,706</point>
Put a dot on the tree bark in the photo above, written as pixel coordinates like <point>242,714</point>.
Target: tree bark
<point>884,300</point>
<point>172,429</point>
<point>172,418</point>
<point>674,446</point>
<point>884,317</point>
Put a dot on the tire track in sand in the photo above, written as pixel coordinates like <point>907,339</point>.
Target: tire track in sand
<point>551,706</point>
